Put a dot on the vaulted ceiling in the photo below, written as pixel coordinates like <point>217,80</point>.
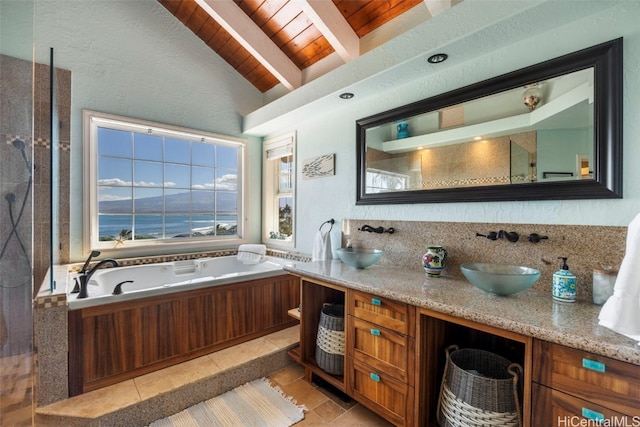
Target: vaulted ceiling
<point>272,42</point>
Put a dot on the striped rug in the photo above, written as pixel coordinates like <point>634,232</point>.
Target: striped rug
<point>255,403</point>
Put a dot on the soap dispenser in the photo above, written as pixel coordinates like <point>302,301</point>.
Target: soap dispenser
<point>564,283</point>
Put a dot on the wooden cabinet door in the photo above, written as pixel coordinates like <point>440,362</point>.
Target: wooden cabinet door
<point>381,393</point>
<point>397,316</point>
<point>552,408</point>
<point>382,349</point>
<point>607,382</point>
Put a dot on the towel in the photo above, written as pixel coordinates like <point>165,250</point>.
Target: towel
<point>251,254</point>
<point>621,312</point>
<point>322,246</point>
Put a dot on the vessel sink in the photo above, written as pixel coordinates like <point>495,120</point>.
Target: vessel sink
<point>500,279</point>
<point>359,257</point>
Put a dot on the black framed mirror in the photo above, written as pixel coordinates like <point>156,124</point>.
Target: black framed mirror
<point>546,132</point>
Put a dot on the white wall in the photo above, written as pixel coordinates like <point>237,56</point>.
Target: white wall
<point>332,130</point>
<point>133,58</point>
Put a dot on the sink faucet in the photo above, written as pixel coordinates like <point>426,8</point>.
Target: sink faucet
<point>510,236</point>
<point>378,230</point>
<point>83,278</point>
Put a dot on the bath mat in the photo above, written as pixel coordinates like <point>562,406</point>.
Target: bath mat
<point>255,403</point>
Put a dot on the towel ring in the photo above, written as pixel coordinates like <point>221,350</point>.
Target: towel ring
<point>331,221</point>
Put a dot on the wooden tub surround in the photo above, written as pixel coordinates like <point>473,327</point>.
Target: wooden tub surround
<point>119,341</point>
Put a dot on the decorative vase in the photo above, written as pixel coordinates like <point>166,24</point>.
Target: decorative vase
<point>403,130</point>
<point>433,260</point>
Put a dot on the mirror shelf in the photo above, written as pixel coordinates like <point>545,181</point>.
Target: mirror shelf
<point>578,113</point>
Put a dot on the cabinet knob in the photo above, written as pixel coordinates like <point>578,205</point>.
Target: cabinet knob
<point>593,365</point>
<point>375,332</point>
<point>592,415</point>
<point>375,377</point>
<point>376,301</point>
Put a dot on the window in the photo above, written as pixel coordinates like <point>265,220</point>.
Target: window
<point>150,183</point>
<point>382,181</point>
<point>279,191</point>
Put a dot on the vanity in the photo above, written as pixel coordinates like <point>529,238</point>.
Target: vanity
<point>398,324</point>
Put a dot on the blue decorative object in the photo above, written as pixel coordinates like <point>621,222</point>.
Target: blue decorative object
<point>403,130</point>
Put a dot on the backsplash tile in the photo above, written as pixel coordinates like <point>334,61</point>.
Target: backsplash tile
<point>586,247</point>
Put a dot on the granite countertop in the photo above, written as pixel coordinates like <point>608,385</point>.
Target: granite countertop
<point>532,313</point>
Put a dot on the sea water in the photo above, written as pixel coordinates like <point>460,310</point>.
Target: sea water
<point>151,226</point>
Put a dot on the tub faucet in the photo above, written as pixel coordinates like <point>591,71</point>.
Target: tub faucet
<point>83,278</point>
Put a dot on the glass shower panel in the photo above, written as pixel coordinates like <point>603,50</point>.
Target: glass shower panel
<point>16,209</point>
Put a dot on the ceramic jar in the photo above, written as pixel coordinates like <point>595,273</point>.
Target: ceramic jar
<point>402,130</point>
<point>433,260</point>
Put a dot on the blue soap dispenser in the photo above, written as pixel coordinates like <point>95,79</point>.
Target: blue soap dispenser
<point>564,283</point>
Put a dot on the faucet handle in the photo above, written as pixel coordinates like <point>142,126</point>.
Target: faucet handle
<point>491,235</point>
<point>535,237</point>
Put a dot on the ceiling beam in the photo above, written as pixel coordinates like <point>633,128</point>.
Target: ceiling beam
<point>436,7</point>
<point>330,22</point>
<point>251,37</point>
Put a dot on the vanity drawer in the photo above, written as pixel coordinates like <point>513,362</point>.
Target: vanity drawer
<point>563,409</point>
<point>384,312</point>
<point>386,396</point>
<point>381,348</point>
<point>607,382</point>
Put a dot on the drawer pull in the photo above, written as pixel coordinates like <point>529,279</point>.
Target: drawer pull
<point>593,365</point>
<point>592,415</point>
<point>376,301</point>
<point>375,377</point>
<point>375,332</point>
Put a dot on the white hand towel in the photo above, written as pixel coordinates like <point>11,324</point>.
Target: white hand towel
<point>621,312</point>
<point>251,254</point>
<point>321,246</point>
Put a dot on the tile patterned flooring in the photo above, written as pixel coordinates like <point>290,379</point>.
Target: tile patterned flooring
<point>16,391</point>
<point>325,405</point>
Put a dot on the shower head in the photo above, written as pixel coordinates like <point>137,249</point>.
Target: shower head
<point>20,145</point>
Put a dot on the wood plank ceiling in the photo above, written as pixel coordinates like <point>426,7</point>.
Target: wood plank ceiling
<point>271,41</point>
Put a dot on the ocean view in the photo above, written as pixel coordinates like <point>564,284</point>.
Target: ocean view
<point>151,226</point>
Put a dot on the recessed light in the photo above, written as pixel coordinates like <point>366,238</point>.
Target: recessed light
<point>438,58</point>
<point>477,138</point>
<point>346,95</point>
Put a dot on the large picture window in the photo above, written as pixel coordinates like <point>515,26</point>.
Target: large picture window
<point>279,190</point>
<point>151,183</point>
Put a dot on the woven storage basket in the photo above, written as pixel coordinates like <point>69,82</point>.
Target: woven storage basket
<point>330,339</point>
<point>479,388</point>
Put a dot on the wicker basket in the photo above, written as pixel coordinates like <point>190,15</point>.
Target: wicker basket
<point>479,388</point>
<point>330,339</point>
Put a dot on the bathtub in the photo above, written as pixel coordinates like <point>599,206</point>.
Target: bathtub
<point>142,281</point>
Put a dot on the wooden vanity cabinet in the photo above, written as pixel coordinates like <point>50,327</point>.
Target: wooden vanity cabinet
<point>381,355</point>
<point>574,383</point>
<point>437,331</point>
<point>313,295</point>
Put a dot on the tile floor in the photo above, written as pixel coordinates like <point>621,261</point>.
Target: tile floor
<point>325,405</point>
<point>16,388</point>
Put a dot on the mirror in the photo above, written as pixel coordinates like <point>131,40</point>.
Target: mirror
<point>549,131</point>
